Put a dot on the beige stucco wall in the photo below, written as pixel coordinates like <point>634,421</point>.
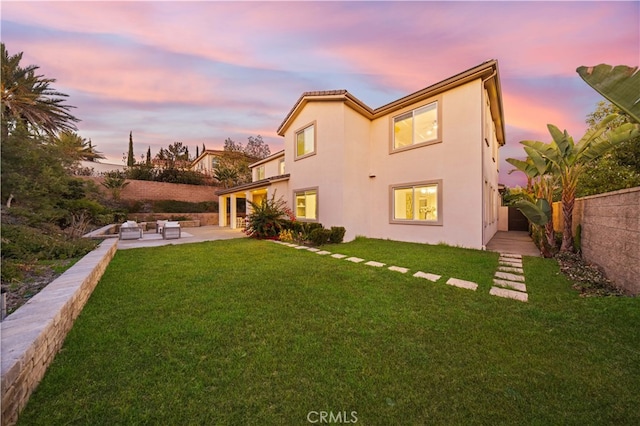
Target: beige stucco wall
<point>353,170</point>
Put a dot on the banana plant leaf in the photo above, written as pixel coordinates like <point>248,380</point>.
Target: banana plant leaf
<point>620,85</point>
<point>538,213</point>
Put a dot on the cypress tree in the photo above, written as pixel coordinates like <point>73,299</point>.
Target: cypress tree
<point>149,156</point>
<point>130,159</point>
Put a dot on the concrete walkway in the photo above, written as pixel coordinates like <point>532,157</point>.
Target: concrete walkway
<point>189,235</point>
<point>516,242</point>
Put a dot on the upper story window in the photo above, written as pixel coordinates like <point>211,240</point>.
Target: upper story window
<point>416,127</point>
<point>306,141</point>
<point>281,169</point>
<point>260,172</point>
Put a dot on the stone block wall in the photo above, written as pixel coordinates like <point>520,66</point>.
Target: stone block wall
<point>149,190</point>
<point>35,332</point>
<point>611,235</point>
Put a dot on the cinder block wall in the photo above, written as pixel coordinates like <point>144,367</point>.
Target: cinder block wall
<point>149,190</point>
<point>611,235</point>
<point>35,332</point>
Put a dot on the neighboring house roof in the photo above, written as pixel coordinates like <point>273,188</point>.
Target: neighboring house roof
<point>487,71</point>
<point>251,185</point>
<point>267,159</point>
<point>215,152</point>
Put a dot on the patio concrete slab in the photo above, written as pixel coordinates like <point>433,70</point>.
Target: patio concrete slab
<point>189,235</point>
<point>515,242</point>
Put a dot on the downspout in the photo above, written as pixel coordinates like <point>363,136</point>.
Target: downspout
<point>482,148</point>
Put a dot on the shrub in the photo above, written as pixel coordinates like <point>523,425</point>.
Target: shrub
<point>286,235</point>
<point>266,219</point>
<point>337,234</point>
<point>319,236</point>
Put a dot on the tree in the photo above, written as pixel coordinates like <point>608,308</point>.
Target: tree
<point>75,147</point>
<point>115,181</point>
<point>232,146</point>
<point>567,161</point>
<point>257,148</point>
<point>537,201</point>
<point>174,156</point>
<point>618,168</point>
<point>620,85</point>
<point>148,162</point>
<point>130,157</point>
<point>28,98</point>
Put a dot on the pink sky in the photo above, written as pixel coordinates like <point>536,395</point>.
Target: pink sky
<point>201,72</point>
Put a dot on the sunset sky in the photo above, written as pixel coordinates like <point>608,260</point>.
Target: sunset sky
<point>201,72</point>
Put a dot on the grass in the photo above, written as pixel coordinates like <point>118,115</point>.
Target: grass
<point>251,332</point>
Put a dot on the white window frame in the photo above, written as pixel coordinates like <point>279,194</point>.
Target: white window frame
<point>315,141</point>
<point>260,172</point>
<point>440,211</point>
<point>281,166</point>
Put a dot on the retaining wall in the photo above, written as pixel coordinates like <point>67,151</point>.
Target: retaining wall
<point>35,332</point>
<point>150,190</point>
<point>204,218</point>
<point>611,235</point>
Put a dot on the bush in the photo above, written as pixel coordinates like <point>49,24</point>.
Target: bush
<point>266,219</point>
<point>319,236</point>
<point>337,234</point>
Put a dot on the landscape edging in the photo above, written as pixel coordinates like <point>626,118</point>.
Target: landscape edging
<point>34,333</point>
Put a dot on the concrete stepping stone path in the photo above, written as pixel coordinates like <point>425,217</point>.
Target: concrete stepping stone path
<point>509,278</point>
<point>509,281</point>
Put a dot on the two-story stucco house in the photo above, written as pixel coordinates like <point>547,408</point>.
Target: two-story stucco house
<point>423,168</point>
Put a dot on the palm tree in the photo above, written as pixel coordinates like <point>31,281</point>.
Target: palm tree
<point>567,160</point>
<point>29,98</point>
<point>76,147</point>
<point>619,84</point>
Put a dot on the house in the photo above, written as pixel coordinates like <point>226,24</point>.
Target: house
<point>207,161</point>
<point>423,168</point>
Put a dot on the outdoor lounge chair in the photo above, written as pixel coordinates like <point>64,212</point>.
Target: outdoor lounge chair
<point>171,230</point>
<point>130,231</point>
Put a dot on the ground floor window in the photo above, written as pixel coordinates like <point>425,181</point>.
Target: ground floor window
<point>307,204</point>
<point>419,203</point>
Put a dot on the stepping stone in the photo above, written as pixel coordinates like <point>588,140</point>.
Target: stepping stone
<point>511,284</point>
<point>511,269</point>
<point>430,277</point>
<point>339,256</point>
<point>510,277</point>
<point>376,264</point>
<point>511,264</point>
<point>355,259</point>
<point>313,249</point>
<point>399,269</point>
<point>509,294</point>
<point>290,245</point>
<point>517,256</point>
<point>462,284</point>
<point>323,252</point>
<point>300,247</point>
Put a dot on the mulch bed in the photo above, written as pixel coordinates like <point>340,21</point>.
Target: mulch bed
<point>588,279</point>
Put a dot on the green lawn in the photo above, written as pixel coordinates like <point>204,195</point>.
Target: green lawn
<point>245,332</point>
